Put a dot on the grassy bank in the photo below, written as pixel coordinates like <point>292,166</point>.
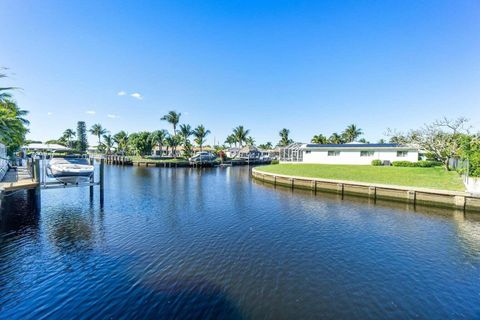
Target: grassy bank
<point>435,178</point>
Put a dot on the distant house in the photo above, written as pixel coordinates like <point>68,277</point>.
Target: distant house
<point>348,153</point>
<point>249,153</point>
<point>168,152</point>
<point>232,152</point>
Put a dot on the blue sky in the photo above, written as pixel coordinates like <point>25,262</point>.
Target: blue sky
<point>310,66</point>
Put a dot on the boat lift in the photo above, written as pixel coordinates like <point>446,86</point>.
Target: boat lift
<point>39,174</point>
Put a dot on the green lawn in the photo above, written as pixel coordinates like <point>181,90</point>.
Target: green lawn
<point>436,178</point>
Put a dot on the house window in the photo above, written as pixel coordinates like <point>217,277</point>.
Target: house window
<point>366,153</point>
<point>333,153</point>
<point>402,154</point>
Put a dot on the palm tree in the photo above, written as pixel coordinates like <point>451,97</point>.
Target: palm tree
<point>266,146</point>
<point>351,133</point>
<point>98,131</point>
<point>231,140</point>
<point>172,142</point>
<point>68,135</point>
<point>13,124</point>
<point>319,139</point>
<point>173,118</point>
<point>250,141</point>
<point>335,138</point>
<point>363,140</point>
<point>157,138</point>
<point>200,133</point>
<point>284,138</point>
<point>240,134</point>
<point>121,139</point>
<point>108,142</point>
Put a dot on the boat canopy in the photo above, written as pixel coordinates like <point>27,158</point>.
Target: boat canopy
<point>45,147</point>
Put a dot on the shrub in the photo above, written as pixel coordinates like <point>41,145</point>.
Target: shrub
<point>419,164</point>
<point>403,164</point>
<point>376,162</point>
<point>427,164</point>
<point>275,162</point>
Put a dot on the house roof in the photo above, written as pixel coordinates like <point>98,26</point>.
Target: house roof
<point>360,146</point>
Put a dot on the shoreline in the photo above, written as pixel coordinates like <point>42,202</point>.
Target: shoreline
<point>413,195</point>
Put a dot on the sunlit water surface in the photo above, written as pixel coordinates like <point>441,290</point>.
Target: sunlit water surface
<point>184,243</point>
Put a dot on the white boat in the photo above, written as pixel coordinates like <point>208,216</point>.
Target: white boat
<point>203,156</point>
<point>74,170</point>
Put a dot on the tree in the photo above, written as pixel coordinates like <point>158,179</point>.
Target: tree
<point>319,139</point>
<point>351,133</point>
<point>82,143</point>
<point>335,138</point>
<point>68,136</point>
<point>140,143</point>
<point>200,133</point>
<point>121,139</point>
<point>98,131</point>
<point>173,142</point>
<point>470,150</point>
<point>231,140</point>
<point>284,138</point>
<point>250,141</point>
<point>381,141</point>
<point>13,125</point>
<point>173,118</point>
<point>240,134</point>
<point>157,138</point>
<point>266,146</point>
<point>442,138</point>
<point>108,143</point>
<point>363,140</point>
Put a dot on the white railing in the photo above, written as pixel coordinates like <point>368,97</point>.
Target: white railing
<point>3,161</point>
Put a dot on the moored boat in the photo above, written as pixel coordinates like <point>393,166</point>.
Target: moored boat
<point>74,170</point>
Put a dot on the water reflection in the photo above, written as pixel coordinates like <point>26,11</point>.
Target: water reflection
<point>212,243</point>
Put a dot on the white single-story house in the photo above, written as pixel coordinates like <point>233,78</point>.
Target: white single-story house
<point>348,153</point>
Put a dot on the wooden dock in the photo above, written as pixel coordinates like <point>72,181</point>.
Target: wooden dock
<point>19,178</point>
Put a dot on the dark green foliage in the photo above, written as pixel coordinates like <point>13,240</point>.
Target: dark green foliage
<point>81,144</point>
<point>376,162</point>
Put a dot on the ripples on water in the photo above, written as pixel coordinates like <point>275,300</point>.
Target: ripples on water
<point>182,243</point>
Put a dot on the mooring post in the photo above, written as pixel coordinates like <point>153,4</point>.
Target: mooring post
<point>92,179</point>
<point>102,180</point>
<point>36,178</point>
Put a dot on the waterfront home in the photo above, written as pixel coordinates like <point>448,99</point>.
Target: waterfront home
<point>249,153</point>
<point>168,152</point>
<point>232,152</point>
<point>270,153</point>
<point>348,153</point>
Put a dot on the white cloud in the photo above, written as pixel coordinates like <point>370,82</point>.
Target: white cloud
<point>112,116</point>
<point>136,95</point>
<point>90,112</point>
<point>121,93</point>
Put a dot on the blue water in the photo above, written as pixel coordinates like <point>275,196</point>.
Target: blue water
<point>212,243</point>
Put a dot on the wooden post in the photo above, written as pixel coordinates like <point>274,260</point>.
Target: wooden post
<point>36,177</point>
<point>102,180</point>
<point>90,161</point>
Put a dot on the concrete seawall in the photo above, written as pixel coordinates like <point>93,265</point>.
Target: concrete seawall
<point>413,195</point>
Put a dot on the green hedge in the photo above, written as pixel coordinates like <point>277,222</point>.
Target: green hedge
<point>418,164</point>
<point>376,163</point>
<point>275,162</point>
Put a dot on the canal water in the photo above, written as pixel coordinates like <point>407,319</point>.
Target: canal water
<point>212,243</point>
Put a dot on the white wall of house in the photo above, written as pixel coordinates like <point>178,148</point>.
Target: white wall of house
<point>356,156</point>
